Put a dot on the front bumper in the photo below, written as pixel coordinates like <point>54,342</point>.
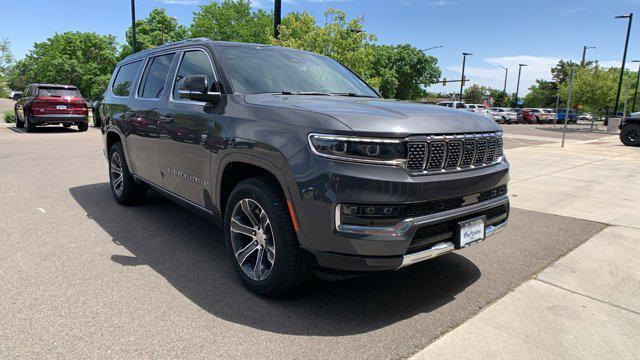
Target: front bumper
<point>58,119</point>
<point>331,245</point>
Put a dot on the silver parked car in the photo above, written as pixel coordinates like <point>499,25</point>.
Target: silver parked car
<point>502,115</point>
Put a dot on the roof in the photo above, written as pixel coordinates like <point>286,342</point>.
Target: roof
<point>65,86</point>
<point>195,41</point>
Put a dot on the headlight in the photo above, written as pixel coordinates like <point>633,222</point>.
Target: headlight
<point>351,148</point>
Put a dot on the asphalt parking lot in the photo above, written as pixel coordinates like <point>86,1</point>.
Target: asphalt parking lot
<point>81,277</point>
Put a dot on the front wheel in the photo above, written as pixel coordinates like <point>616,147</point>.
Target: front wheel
<point>83,126</point>
<point>261,239</point>
<point>630,135</point>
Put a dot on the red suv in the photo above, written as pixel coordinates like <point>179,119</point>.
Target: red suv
<point>51,104</point>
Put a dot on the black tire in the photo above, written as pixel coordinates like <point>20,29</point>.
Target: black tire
<point>96,119</point>
<point>288,270</point>
<point>130,192</point>
<point>31,127</point>
<point>19,124</point>
<point>630,135</point>
<point>83,126</point>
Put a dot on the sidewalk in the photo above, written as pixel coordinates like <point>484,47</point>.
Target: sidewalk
<point>586,305</point>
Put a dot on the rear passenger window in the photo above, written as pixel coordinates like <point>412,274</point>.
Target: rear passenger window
<point>125,78</point>
<point>193,63</point>
<point>155,74</point>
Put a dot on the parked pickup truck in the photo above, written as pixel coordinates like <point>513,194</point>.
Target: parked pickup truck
<point>303,164</point>
<point>51,104</point>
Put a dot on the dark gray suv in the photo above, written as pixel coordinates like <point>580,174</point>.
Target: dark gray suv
<point>301,162</point>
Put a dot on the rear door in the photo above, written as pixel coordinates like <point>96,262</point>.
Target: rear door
<point>186,127</point>
<point>139,129</point>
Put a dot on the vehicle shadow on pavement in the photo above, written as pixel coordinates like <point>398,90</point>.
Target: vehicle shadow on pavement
<point>189,252</point>
<point>46,130</point>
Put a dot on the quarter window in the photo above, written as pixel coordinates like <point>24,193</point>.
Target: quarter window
<point>154,77</point>
<point>193,63</point>
<point>125,78</point>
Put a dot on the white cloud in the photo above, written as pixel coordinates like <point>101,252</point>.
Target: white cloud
<point>443,3</point>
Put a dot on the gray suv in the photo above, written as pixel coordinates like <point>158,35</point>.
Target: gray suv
<point>307,169</point>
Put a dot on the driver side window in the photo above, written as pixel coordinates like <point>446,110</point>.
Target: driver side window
<point>193,62</point>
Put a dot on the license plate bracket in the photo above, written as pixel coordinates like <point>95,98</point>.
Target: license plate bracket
<point>470,231</point>
<point>61,107</point>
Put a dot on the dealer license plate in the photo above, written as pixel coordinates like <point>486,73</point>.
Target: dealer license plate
<point>61,107</point>
<point>471,231</point>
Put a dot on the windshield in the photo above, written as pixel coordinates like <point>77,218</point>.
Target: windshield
<point>256,70</point>
<point>58,92</point>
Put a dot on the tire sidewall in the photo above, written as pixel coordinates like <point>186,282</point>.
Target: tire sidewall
<point>624,137</point>
<point>281,232</point>
<point>117,147</point>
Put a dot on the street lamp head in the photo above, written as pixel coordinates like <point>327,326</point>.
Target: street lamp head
<point>623,16</point>
<point>433,47</point>
<point>504,68</point>
<point>522,65</point>
<point>635,61</point>
<point>466,53</point>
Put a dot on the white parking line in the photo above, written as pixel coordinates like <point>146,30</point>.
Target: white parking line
<point>41,209</point>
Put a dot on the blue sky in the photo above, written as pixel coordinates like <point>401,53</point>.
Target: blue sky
<point>498,32</point>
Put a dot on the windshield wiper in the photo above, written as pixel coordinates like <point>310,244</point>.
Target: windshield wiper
<point>353,95</point>
<point>306,93</point>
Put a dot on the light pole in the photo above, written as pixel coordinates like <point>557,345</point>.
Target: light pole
<point>584,53</point>
<point>518,85</point>
<point>635,96</point>
<point>506,73</point>
<point>277,16</point>
<point>133,26</point>
<point>624,58</point>
<point>464,60</point>
<point>434,47</point>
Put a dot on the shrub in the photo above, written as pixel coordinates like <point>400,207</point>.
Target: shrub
<point>9,117</point>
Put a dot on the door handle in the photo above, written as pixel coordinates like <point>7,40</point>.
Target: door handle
<point>165,119</point>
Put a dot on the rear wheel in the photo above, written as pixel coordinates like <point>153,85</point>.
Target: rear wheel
<point>630,135</point>
<point>125,189</point>
<point>83,126</point>
<point>31,127</point>
<point>261,239</point>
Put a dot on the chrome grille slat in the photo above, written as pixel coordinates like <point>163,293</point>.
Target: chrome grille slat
<point>450,153</point>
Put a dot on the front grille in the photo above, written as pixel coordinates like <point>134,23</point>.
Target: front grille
<point>449,153</point>
<point>433,207</point>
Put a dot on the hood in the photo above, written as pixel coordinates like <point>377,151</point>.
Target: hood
<point>379,117</point>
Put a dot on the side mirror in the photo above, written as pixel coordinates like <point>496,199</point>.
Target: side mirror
<point>196,87</point>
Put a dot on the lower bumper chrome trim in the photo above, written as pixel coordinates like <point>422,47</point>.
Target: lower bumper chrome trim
<point>444,247</point>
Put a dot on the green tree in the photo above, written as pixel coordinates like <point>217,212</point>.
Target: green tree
<point>500,98</point>
<point>6,60</point>
<point>85,60</point>
<point>594,89</point>
<point>155,30</point>
<point>403,70</point>
<point>542,95</point>
<point>232,20</point>
<point>561,71</point>
<point>474,94</point>
<point>339,38</point>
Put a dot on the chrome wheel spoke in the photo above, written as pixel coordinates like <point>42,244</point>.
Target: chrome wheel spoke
<point>264,221</point>
<point>247,211</point>
<point>117,183</point>
<point>271,253</point>
<point>257,269</point>
<point>245,252</point>
<point>236,227</point>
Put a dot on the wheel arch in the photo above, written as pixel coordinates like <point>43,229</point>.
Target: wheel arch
<point>112,136</point>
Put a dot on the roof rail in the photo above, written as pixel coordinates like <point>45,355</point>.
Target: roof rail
<point>169,45</point>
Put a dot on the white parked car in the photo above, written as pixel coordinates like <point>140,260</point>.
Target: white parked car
<point>502,115</point>
<point>460,105</point>
<point>585,116</point>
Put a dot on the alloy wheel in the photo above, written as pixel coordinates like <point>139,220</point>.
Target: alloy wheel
<point>252,239</point>
<point>117,175</point>
<point>633,135</point>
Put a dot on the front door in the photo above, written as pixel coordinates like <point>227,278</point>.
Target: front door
<point>186,127</point>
